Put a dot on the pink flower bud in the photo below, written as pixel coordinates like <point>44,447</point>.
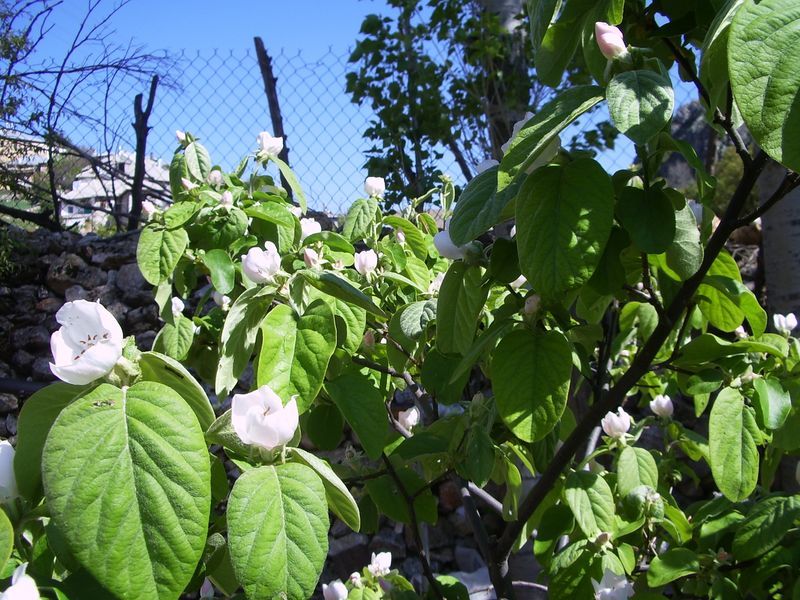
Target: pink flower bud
<point>610,40</point>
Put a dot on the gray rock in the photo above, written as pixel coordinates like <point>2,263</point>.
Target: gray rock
<point>75,292</point>
<point>144,340</point>
<point>22,360</point>
<point>468,559</point>
<point>40,370</point>
<point>8,403</point>
<point>33,338</point>
<point>347,554</point>
<point>388,540</point>
<point>71,269</point>
<point>141,319</point>
<point>11,424</point>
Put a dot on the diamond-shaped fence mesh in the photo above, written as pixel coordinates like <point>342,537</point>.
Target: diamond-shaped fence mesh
<point>219,96</point>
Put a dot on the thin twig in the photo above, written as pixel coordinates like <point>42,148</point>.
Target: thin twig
<point>790,182</point>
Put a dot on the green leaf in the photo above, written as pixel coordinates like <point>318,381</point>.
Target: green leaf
<point>163,369</point>
<point>179,213</point>
<point>732,434</point>
<point>340,500</point>
<point>531,374</point>
<point>671,565</point>
<point>715,304</point>
<point>773,402</point>
<point>685,254</point>
<point>765,526</point>
<point>764,69</point>
<point>360,218</point>
<point>556,51</point>
<point>272,212</point>
<point>742,298</point>
<point>239,334</point>
<point>714,61</point>
<point>158,252</point>
<point>295,351</point>
<point>6,539</point>
<point>220,267</point>
<point>350,324</point>
<point>540,13</point>
<point>278,531</point>
<point>127,480</point>
<point>37,416</point>
<point>640,103</point>
<point>414,237</point>
<point>479,207</point>
<point>198,162</point>
<point>460,303</point>
<point>636,467</point>
<point>339,288</point>
<point>539,131</point>
<point>591,501</point>
<point>293,182</point>
<point>649,218</point>
<point>415,317</point>
<point>361,403</point>
<point>221,432</point>
<point>437,371</point>
<point>574,204</point>
<point>175,340</point>
<point>483,344</point>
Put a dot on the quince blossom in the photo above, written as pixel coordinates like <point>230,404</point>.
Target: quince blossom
<point>616,425</point>
<point>784,324</point>
<point>409,418</point>
<point>261,266</point>
<point>260,418</point>
<point>610,40</point>
<point>334,591</point>
<point>375,186</point>
<point>269,145</point>
<point>221,300</point>
<point>309,227</point>
<point>612,587</point>
<point>445,246</point>
<point>227,199</point>
<point>380,564</point>
<point>8,481</point>
<point>366,261</point>
<point>661,406</point>
<point>23,587</point>
<point>177,307</point>
<point>311,258</point>
<point>88,344</point>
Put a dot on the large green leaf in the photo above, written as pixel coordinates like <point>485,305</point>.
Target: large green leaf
<point>220,267</point>
<point>198,162</point>
<point>239,334</point>
<point>556,51</point>
<point>765,526</point>
<point>685,254</point>
<point>479,207</point>
<point>564,219</point>
<point>764,69</point>
<point>295,351</point>
<point>293,182</point>
<point>531,372</point>
<point>414,237</point>
<point>540,15</point>
<point>773,403</point>
<point>640,103</point>
<point>340,500</point>
<point>166,370</point>
<point>360,218</point>
<point>732,434</point>
<point>636,466</point>
<point>158,252</point>
<point>714,303</point>
<point>714,56</point>
<point>649,218</point>
<point>175,339</point>
<point>741,297</point>
<point>540,131</point>
<point>461,299</point>
<point>278,531</point>
<point>35,420</point>
<point>339,288</point>
<point>361,403</point>
<point>6,539</point>
<point>127,481</point>
<point>671,565</point>
<point>591,501</point>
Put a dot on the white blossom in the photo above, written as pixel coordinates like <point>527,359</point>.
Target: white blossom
<point>309,227</point>
<point>661,406</point>
<point>177,307</point>
<point>187,185</point>
<point>616,425</point>
<point>784,324</point>
<point>612,587</point>
<point>401,237</point>
<point>88,344</point>
<point>148,209</point>
<point>610,40</point>
<point>296,211</point>
<point>261,419</point>
<point>334,591</point>
<point>261,266</point>
<point>375,186</point>
<point>23,587</point>
<point>366,261</point>
<point>215,178</point>
<point>311,258</point>
<point>355,579</point>
<point>227,199</point>
<point>207,589</point>
<point>532,304</point>
<point>445,246</point>
<point>380,564</point>
<point>180,136</point>
<point>8,480</point>
<point>221,300</point>
<point>409,418</point>
<point>515,130</point>
<point>436,284</point>
<point>269,145</point>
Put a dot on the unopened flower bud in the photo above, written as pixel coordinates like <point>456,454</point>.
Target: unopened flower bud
<point>610,40</point>
<point>180,136</point>
<point>616,425</point>
<point>227,199</point>
<point>215,178</point>
<point>269,145</point>
<point>375,187</point>
<point>177,307</point>
<point>661,406</point>
<point>532,304</point>
<point>311,258</point>
<point>366,261</point>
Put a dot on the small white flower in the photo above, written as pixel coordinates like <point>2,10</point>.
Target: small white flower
<point>445,246</point>
<point>221,300</point>
<point>612,587</point>
<point>334,591</point>
<point>8,481</point>
<point>180,136</point>
<point>784,324</point>
<point>380,564</point>
<point>215,178</point>
<point>260,418</point>
<point>207,589</point>
<point>23,587</point>
<point>375,186</point>
<point>401,237</point>
<point>271,146</point>
<point>88,344</point>
<point>513,232</point>
<point>610,40</point>
<point>261,266</point>
<point>436,284</point>
<point>309,227</point>
<point>409,418</point>
<point>366,261</point>
<point>177,307</point>
<point>355,579</point>
<point>515,130</point>
<point>148,209</point>
<point>661,406</point>
<point>532,304</point>
<point>518,282</point>
<point>740,332</point>
<point>296,211</point>
<point>311,258</point>
<point>187,185</point>
<point>227,199</point>
<point>485,165</point>
<point>616,425</point>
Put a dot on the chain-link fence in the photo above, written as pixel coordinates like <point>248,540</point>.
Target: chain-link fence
<point>219,96</point>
